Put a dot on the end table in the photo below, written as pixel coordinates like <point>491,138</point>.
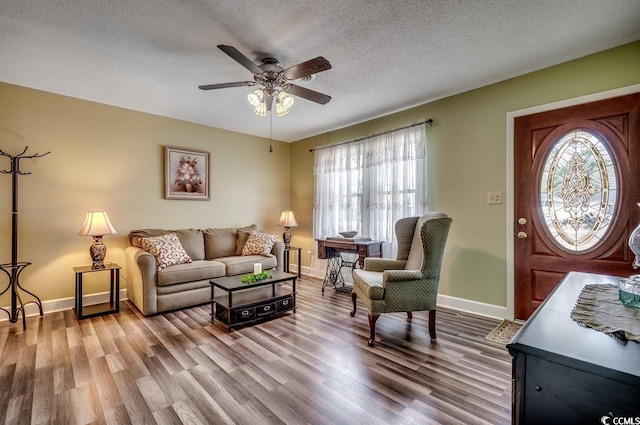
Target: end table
<point>287,251</point>
<point>113,306</point>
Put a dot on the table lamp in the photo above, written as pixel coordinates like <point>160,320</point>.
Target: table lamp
<point>287,220</point>
<point>97,224</point>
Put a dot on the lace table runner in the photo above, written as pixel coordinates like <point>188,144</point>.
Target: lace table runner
<point>598,307</point>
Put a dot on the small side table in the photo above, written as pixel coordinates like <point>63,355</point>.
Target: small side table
<point>287,251</point>
<point>113,306</point>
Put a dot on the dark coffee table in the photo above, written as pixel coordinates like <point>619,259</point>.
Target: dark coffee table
<point>243,304</point>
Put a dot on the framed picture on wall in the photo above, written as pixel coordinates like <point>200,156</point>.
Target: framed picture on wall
<point>186,173</point>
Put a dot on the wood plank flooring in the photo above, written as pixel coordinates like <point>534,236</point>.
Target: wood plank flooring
<point>312,367</point>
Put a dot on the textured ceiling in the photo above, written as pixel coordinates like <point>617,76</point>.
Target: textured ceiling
<point>150,55</point>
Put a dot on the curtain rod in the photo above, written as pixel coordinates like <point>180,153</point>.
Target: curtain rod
<point>427,122</point>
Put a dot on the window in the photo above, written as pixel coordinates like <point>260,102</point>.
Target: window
<point>368,185</point>
<point>578,191</point>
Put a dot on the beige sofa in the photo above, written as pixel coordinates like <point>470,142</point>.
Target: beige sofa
<point>214,253</point>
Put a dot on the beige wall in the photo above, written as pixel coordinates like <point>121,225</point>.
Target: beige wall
<point>111,159</point>
<point>467,158</point>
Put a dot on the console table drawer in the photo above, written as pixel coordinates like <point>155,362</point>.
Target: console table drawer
<point>284,304</point>
<point>245,314</point>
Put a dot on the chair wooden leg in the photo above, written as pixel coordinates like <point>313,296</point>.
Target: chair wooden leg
<point>372,326</point>
<point>432,324</point>
<point>409,315</point>
<point>353,299</point>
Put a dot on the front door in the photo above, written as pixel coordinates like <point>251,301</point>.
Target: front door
<point>577,185</point>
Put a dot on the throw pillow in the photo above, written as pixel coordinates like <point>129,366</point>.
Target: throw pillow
<point>259,243</point>
<point>243,235</point>
<point>191,240</point>
<point>167,250</point>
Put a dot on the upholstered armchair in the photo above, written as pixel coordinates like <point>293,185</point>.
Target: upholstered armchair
<point>410,282</point>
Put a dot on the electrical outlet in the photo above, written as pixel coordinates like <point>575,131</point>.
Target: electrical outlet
<point>494,197</point>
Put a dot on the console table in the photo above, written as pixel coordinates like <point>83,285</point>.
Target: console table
<point>330,249</point>
<point>566,373</point>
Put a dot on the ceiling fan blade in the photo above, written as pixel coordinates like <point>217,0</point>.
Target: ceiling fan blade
<point>311,95</point>
<point>312,66</point>
<point>227,85</point>
<point>240,58</point>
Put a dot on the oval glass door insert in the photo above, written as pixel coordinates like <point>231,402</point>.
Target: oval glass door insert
<point>578,191</point>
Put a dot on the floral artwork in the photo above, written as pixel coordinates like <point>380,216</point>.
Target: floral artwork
<point>186,174</point>
<point>188,177</point>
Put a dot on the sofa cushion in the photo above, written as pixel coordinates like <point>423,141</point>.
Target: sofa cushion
<point>167,250</point>
<point>243,235</point>
<point>136,235</point>
<point>259,243</point>
<point>192,240</point>
<point>244,264</point>
<point>220,243</point>
<point>197,270</point>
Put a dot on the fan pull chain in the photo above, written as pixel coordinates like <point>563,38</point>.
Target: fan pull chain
<point>270,129</point>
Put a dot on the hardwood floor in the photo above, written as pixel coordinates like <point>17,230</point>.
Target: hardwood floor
<point>310,367</point>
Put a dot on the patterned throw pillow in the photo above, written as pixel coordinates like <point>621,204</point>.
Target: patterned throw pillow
<point>259,243</point>
<point>167,250</point>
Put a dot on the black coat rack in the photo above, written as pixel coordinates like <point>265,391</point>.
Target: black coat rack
<point>14,268</point>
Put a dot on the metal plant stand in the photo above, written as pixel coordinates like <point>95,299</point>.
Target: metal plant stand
<point>13,269</point>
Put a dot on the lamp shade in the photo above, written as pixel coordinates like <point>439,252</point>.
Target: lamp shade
<point>287,219</point>
<point>283,104</point>
<point>256,97</point>
<point>96,224</point>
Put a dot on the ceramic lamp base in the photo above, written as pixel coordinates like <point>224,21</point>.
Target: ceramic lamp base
<point>98,251</point>
<point>286,237</point>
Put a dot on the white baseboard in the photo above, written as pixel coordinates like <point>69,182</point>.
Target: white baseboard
<point>475,307</point>
<point>470,306</point>
<point>461,304</point>
<point>64,304</point>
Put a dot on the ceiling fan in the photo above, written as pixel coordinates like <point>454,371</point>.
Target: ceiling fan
<point>275,81</point>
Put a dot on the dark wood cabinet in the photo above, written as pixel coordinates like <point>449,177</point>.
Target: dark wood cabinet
<point>564,373</point>
<point>363,247</point>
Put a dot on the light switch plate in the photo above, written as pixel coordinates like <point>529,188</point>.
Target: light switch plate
<point>494,197</point>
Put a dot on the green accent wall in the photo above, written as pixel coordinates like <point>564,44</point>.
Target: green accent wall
<point>467,157</point>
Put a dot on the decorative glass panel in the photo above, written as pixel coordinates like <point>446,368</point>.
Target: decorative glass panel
<point>578,191</point>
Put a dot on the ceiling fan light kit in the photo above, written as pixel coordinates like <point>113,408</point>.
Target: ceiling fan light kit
<point>258,100</point>
<point>275,82</point>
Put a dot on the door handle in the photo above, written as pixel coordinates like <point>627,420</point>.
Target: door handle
<point>521,235</point>
<point>522,221</point>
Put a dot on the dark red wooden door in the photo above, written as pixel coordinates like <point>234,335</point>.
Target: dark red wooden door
<point>577,185</point>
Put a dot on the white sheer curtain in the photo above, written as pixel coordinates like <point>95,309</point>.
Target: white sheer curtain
<point>368,185</point>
